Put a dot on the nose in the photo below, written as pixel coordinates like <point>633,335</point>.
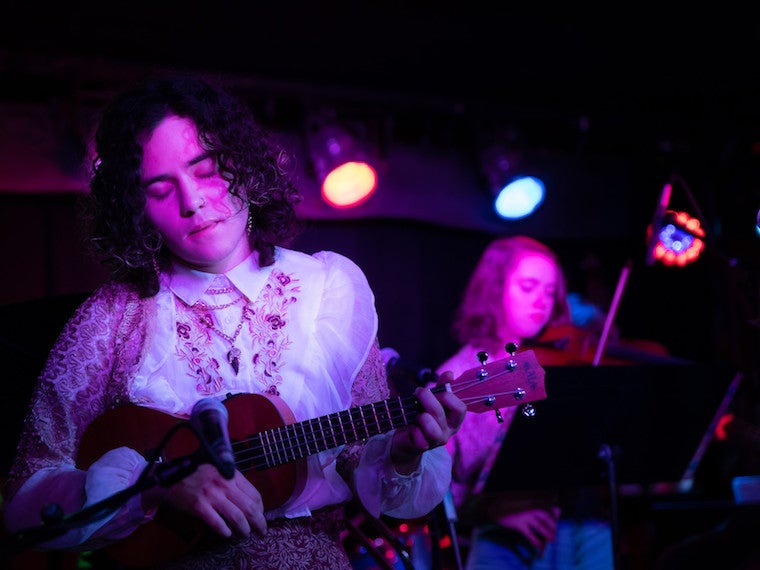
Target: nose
<point>542,300</point>
<point>192,198</point>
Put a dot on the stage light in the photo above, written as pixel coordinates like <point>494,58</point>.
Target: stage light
<point>349,184</point>
<point>342,164</point>
<point>517,192</point>
<point>519,197</point>
<point>680,240</point>
<point>674,237</point>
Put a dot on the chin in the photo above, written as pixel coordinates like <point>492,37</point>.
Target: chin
<point>531,333</point>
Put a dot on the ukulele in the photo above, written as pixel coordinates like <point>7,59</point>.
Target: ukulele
<point>270,447</point>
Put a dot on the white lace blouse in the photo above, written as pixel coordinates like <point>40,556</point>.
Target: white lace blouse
<point>303,329</point>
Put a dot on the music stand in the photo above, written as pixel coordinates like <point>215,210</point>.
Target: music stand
<point>650,418</point>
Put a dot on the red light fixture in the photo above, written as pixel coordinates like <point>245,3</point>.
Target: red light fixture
<point>349,184</point>
<point>341,164</point>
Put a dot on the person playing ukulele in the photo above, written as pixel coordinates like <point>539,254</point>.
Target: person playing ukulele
<point>192,210</point>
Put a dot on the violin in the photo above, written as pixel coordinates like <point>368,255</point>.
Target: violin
<point>571,345</point>
<point>564,345</point>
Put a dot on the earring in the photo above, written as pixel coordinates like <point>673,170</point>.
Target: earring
<point>154,263</point>
<point>249,223</point>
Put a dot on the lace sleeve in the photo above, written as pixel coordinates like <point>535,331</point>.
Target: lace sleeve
<point>371,385</point>
<point>75,386</point>
<point>371,474</point>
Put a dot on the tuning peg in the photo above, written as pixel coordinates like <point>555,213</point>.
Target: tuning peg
<point>499,417</point>
<point>482,357</point>
<point>511,348</point>
<point>528,410</point>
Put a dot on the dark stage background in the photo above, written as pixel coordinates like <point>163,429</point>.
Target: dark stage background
<point>418,270</point>
<point>700,313</point>
<point>609,108</point>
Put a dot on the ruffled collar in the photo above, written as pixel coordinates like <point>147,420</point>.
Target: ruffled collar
<point>191,285</point>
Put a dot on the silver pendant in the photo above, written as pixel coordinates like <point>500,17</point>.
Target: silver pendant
<point>233,357</point>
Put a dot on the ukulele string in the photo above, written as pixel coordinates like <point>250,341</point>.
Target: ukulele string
<point>298,445</point>
<point>291,443</point>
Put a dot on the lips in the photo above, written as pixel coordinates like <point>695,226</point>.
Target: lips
<point>202,227</point>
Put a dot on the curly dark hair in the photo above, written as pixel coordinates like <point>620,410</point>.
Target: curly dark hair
<point>478,317</point>
<point>120,232</point>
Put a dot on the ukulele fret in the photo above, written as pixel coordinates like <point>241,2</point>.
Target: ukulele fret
<point>346,428</point>
<point>332,430</point>
<point>375,425</point>
<point>322,431</point>
<point>404,419</point>
<point>309,437</point>
<point>351,422</point>
<point>389,417</point>
<point>355,417</point>
<point>363,420</point>
<point>306,450</point>
<point>317,434</point>
<point>291,436</point>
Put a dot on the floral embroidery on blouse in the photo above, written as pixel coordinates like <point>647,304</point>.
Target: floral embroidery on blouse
<point>268,329</point>
<point>192,347</point>
<point>266,320</point>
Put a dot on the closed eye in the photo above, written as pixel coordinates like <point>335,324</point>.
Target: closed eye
<point>159,190</point>
<point>206,168</point>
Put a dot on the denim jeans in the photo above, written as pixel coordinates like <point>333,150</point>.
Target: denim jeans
<point>579,545</point>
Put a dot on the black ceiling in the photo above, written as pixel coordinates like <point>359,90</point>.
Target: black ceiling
<point>649,74</point>
<point>676,88</point>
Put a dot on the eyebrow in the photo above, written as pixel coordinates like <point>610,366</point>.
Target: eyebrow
<point>192,162</point>
<point>201,157</point>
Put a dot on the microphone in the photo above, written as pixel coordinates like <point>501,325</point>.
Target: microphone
<point>659,215</point>
<point>209,419</point>
<point>401,372</point>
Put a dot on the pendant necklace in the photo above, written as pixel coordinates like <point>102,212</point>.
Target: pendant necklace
<point>233,356</point>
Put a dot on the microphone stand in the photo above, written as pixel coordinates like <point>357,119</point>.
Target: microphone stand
<point>157,472</point>
<point>443,520</point>
<point>55,524</point>
<point>607,455</point>
<point>605,452</point>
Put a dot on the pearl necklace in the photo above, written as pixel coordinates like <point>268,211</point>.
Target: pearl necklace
<point>220,290</point>
<point>203,306</point>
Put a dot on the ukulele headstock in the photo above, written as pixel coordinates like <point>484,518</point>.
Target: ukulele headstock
<point>516,380</point>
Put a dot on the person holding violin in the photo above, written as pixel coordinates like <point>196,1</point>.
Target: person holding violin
<point>516,293</point>
<point>192,210</point>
